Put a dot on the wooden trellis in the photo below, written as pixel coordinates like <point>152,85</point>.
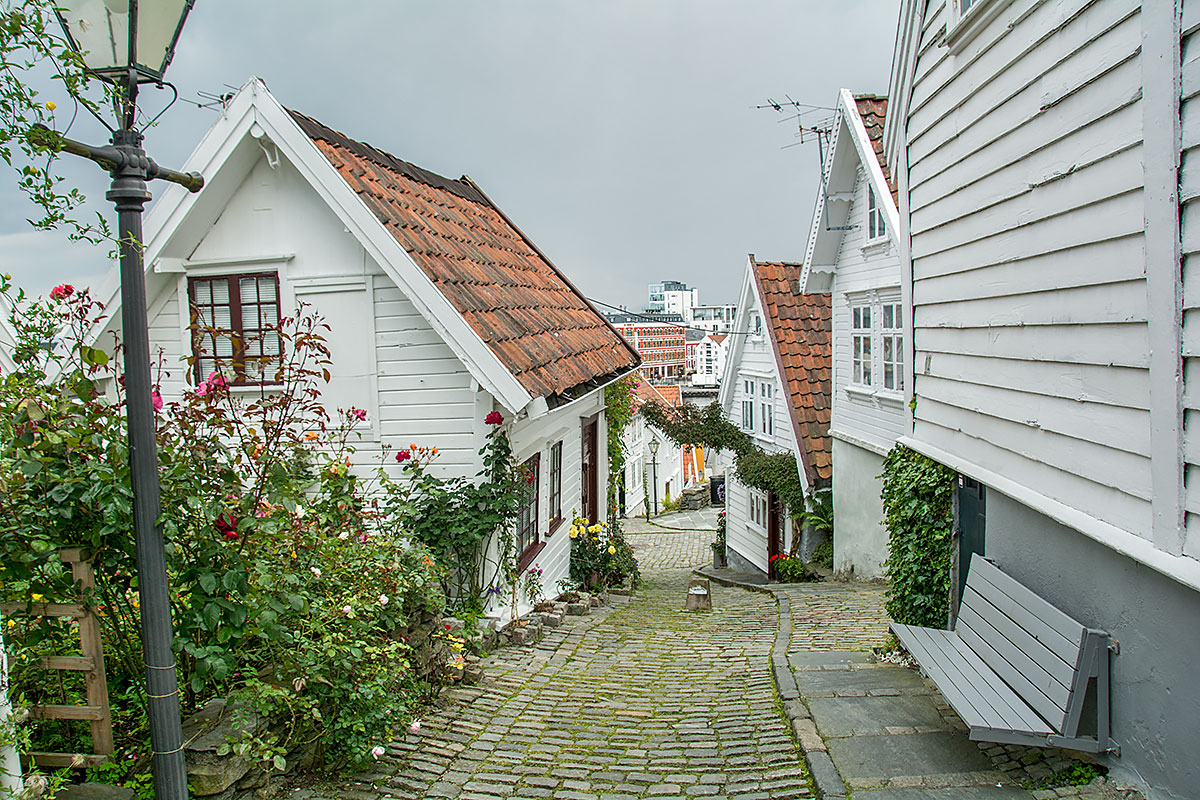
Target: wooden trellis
<point>90,662</point>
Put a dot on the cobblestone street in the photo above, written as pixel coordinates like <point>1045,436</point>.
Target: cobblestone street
<point>636,700</point>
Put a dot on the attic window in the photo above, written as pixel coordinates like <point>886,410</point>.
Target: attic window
<point>235,327</point>
<point>876,228</point>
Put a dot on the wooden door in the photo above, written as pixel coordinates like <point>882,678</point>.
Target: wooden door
<point>590,474</point>
<point>775,532</point>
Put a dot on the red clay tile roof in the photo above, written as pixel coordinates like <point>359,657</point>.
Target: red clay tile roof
<point>539,325</point>
<point>668,395</point>
<point>800,326</point>
<point>720,337</point>
<point>873,110</point>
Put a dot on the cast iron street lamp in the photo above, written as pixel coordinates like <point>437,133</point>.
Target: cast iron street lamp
<point>127,43</point>
<point>654,470</point>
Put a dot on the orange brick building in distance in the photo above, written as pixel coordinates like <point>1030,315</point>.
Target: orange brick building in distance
<point>660,344</point>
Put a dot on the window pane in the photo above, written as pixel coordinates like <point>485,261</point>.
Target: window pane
<point>203,292</point>
<point>866,317</point>
<point>887,316</point>
<point>899,315</point>
<point>887,349</point>
<point>857,313</point>
<point>220,291</point>
<point>266,290</point>
<point>889,379</point>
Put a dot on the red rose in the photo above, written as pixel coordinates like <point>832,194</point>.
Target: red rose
<point>493,418</point>
<point>403,455</point>
<point>62,291</point>
<point>226,525</point>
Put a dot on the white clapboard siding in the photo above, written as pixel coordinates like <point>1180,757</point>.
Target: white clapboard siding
<point>168,343</point>
<point>745,539</point>
<point>1027,216</point>
<point>1189,179</point>
<point>425,394</point>
<point>874,420</point>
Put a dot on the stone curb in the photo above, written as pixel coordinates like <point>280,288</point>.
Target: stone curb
<point>826,779</point>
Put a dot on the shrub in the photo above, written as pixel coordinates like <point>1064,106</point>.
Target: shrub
<point>917,505</point>
<point>295,578</point>
<point>789,568</point>
<point>601,555</point>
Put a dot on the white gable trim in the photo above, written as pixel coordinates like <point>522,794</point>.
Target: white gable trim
<point>904,65</point>
<point>750,293</point>
<point>849,120</point>
<point>255,112</point>
<point>733,360</point>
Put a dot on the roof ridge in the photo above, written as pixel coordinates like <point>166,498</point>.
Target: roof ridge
<point>462,187</point>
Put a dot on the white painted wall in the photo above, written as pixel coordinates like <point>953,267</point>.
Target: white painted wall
<point>1028,271</point>
<point>1189,197</point>
<point>386,357</point>
<point>862,272</point>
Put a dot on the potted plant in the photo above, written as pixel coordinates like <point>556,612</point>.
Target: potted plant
<point>718,544</point>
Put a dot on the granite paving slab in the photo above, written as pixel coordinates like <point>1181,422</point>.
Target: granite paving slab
<point>865,761</point>
<point>827,659</point>
<point>831,683</point>
<point>874,716</point>
<point>955,793</point>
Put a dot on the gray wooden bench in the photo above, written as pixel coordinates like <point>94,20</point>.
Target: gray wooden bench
<point>1015,668</point>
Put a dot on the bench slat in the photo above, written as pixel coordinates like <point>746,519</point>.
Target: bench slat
<point>969,703</point>
<point>989,648</point>
<point>973,689</point>
<point>1055,642</point>
<point>1001,586</point>
<point>1062,671</point>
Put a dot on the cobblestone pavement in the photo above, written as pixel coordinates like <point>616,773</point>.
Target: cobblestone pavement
<point>836,616</point>
<point>639,700</point>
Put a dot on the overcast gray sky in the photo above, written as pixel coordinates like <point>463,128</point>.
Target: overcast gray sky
<point>620,135</point>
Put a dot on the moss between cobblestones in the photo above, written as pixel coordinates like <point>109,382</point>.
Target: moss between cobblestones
<point>779,709</point>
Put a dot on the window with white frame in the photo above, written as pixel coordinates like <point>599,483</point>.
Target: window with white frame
<point>758,508</point>
<point>860,335</point>
<point>877,329</point>
<point>876,228</point>
<point>767,423</point>
<point>892,352</point>
<point>748,407</point>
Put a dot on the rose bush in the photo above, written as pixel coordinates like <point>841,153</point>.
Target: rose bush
<point>294,580</point>
<point>600,555</point>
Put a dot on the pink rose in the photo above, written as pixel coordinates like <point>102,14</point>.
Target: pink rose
<point>62,291</point>
<point>359,414</point>
<point>156,400</point>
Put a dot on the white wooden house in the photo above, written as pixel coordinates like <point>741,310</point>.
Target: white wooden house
<point>651,478</point>
<point>441,310</point>
<point>776,389</point>
<point>853,256</point>
<point>1043,156</point>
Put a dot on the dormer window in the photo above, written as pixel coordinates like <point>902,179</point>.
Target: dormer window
<point>876,227</point>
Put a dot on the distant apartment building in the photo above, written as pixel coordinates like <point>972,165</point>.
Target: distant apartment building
<point>707,366</point>
<point>714,319</point>
<point>660,344</point>
<point>672,297</point>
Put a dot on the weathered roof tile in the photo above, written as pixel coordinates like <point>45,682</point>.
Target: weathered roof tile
<point>801,331</point>
<point>539,326</point>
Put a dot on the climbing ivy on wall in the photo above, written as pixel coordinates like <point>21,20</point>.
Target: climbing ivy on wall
<point>918,511</point>
<point>618,411</point>
<point>769,472</point>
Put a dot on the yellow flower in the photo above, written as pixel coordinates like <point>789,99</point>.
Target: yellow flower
<point>574,533</point>
<point>612,551</point>
<point>37,598</point>
<point>12,623</point>
<point>50,105</point>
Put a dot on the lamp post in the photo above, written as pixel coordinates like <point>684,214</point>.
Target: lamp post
<point>654,470</point>
<point>126,43</point>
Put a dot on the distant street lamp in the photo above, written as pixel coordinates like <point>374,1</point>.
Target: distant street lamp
<point>127,43</point>
<point>654,470</point>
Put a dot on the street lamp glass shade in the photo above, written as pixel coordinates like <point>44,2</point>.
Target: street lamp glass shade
<point>99,29</point>
<point>654,447</point>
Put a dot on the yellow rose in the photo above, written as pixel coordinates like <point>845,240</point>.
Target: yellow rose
<point>612,551</point>
<point>574,533</point>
